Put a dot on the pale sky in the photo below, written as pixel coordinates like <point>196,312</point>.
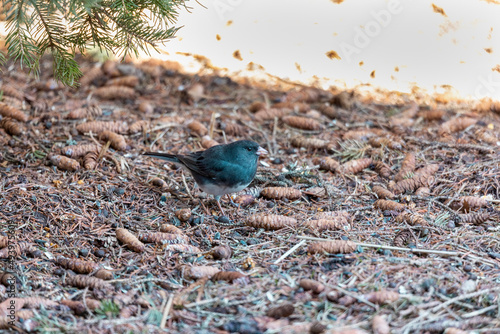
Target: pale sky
<point>290,38</point>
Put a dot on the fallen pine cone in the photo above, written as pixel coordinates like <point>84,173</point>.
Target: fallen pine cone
<point>64,163</point>
<point>281,193</point>
<point>355,166</point>
<point>331,112</point>
<point>333,296</point>
<point>233,129</point>
<point>4,241</point>
<point>456,125</point>
<point>221,252</point>
<point>332,247</point>
<point>11,91</point>
<point>317,328</point>
<point>303,95</point>
<point>411,219</point>
<point>10,126</point>
<point>412,184</point>
<point>270,114</point>
<point>182,248</point>
<point>427,170</point>
<point>8,111</point>
<point>303,123</point>
<point>423,191</point>
<point>257,106</point>
<point>198,272</point>
<point>195,92</point>
<point>346,300</point>
<point>230,276</point>
<point>208,142</point>
<point>382,297</point>
<point>318,192</point>
<point>183,214</point>
<point>7,278</point>
<point>100,126</point>
<point>117,141</point>
<point>380,325</point>
<point>312,285</point>
<point>138,126</point>
<point>402,238</point>
<point>146,107</point>
<point>474,218</point>
<point>78,266</point>
<point>487,137</point>
<point>128,311</point>
<point>332,223</point>
<point>333,215</point>
<point>91,75</point>
<point>432,114</point>
<point>382,193</point>
<point>198,128</point>
<point>90,160</point>
<point>363,134</point>
<point>270,222</point>
<point>74,305</point>
<point>244,200</point>
<point>344,100</point>
<point>128,80</point>
<point>28,302</point>
<point>382,169</point>
<point>327,163</point>
<point>157,182</point>
<point>104,274</point>
<point>168,228</point>
<point>77,151</point>
<point>162,238</point>
<point>387,205</point>
<point>129,240</point>
<point>90,111</point>
<point>110,68</point>
<point>281,311</point>
<point>115,92</point>
<point>469,202</point>
<point>92,304</point>
<point>407,167</point>
<point>392,143</point>
<point>313,143</point>
<point>13,102</point>
<point>83,281</point>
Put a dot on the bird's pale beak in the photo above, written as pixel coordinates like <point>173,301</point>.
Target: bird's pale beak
<point>262,151</point>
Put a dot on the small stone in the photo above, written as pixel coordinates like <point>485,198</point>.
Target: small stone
<point>119,191</point>
<point>83,252</point>
<point>58,272</point>
<point>100,253</point>
<point>223,220</point>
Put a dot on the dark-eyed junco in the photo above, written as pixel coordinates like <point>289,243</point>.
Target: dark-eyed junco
<point>221,169</point>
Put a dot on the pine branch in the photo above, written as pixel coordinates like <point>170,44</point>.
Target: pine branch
<point>65,26</point>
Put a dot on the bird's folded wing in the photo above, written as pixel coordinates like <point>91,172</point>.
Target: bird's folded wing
<point>206,167</point>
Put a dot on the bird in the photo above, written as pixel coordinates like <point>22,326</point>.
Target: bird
<point>220,169</point>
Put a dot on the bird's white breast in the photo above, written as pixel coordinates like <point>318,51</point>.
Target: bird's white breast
<point>221,190</point>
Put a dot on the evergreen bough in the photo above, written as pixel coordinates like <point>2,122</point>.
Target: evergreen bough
<point>65,27</point>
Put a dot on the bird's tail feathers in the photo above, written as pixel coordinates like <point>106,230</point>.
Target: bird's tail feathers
<point>163,156</point>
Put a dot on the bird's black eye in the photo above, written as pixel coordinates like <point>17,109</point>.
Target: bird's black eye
<point>249,149</point>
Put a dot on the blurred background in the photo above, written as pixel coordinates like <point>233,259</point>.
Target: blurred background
<point>440,46</point>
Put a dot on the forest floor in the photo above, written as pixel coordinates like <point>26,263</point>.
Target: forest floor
<point>373,212</point>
